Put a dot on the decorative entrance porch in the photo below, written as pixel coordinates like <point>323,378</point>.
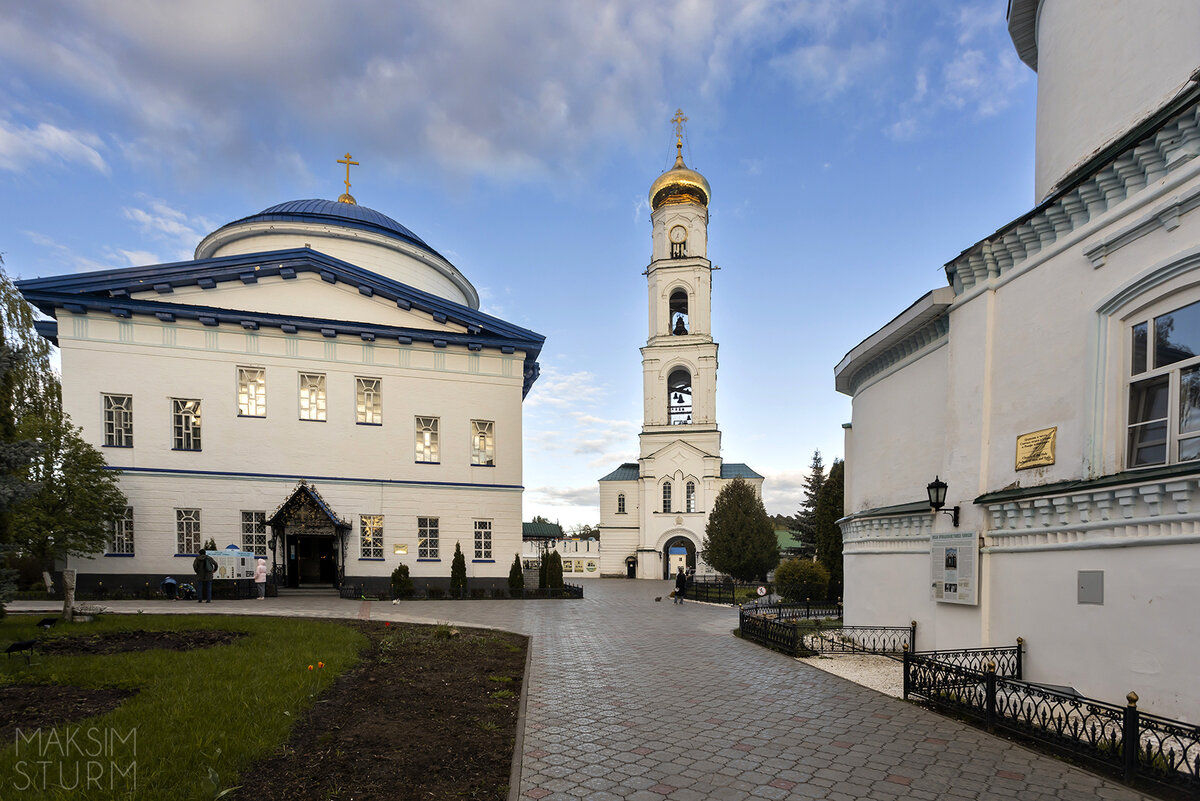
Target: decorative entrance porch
<point>308,541</point>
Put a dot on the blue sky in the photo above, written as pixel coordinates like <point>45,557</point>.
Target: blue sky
<point>853,147</point>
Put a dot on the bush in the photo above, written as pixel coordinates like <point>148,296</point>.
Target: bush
<point>458,572</point>
<point>435,592</point>
<point>516,576</point>
<point>799,580</point>
<point>402,585</point>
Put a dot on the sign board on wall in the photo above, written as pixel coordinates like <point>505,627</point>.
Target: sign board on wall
<point>954,568</point>
<point>1036,449</point>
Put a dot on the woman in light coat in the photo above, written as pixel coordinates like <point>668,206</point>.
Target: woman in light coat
<point>260,578</point>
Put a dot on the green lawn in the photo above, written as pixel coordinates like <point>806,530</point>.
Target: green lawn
<point>198,718</point>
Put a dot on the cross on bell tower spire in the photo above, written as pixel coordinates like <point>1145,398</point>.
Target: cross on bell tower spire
<point>679,120</point>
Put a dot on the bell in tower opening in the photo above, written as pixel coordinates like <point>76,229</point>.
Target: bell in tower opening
<point>679,313</point>
<point>679,394</point>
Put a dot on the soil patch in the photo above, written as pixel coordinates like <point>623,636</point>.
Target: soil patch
<point>429,713</point>
<point>31,706</point>
<point>116,642</point>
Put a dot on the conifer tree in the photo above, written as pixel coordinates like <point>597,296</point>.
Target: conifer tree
<point>739,539</point>
<point>458,571</point>
<point>806,525</point>
<point>516,576</point>
<point>829,509</point>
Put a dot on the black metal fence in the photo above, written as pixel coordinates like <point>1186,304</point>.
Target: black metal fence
<point>1156,753</point>
<point>436,593</point>
<point>724,591</point>
<point>801,629</point>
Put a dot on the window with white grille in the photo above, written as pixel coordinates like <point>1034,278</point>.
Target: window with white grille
<point>118,421</point>
<point>371,536</point>
<point>254,532</point>
<point>121,540</point>
<point>369,401</point>
<point>312,396</point>
<point>185,425</point>
<point>252,392</point>
<point>483,539</point>
<point>427,538</point>
<point>187,531</point>
<point>427,439</point>
<point>483,445</point>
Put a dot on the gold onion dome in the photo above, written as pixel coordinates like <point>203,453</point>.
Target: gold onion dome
<point>679,185</point>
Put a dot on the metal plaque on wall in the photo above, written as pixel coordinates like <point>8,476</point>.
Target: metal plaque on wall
<point>1036,449</point>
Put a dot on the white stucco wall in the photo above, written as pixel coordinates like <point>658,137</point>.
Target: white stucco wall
<point>1102,65</point>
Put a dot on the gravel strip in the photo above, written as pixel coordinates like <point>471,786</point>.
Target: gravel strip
<point>878,673</point>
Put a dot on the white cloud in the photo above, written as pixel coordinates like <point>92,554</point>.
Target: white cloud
<point>161,222</point>
<point>21,146</point>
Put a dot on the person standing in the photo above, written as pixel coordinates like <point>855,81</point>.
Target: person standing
<point>260,577</point>
<point>680,586</point>
<point>205,566</point>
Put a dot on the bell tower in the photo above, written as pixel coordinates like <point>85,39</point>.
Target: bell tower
<point>679,361</point>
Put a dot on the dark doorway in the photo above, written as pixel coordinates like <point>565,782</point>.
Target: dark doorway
<point>315,563</point>
<point>631,567</point>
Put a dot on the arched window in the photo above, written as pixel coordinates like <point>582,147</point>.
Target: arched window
<point>679,397</point>
<point>679,312</point>
<point>621,504</point>
<point>691,496</point>
<point>667,497</point>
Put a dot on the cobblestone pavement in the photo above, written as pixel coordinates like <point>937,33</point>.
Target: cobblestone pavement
<point>639,700</point>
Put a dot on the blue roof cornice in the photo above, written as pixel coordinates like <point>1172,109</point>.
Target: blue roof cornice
<point>110,291</point>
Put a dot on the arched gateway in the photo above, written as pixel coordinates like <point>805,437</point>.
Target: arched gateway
<point>679,551</point>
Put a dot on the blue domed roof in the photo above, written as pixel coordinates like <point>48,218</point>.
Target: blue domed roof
<point>336,213</point>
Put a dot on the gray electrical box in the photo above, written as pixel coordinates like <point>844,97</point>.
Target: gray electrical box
<point>1091,587</point>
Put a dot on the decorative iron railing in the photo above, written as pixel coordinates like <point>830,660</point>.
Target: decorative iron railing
<point>1149,751</point>
<point>723,591</point>
<point>798,629</point>
<point>860,639</point>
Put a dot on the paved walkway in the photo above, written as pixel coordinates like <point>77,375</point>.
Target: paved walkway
<point>639,700</point>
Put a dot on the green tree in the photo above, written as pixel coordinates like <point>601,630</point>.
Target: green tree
<point>739,539</point>
<point>76,500</point>
<point>458,571</point>
<point>805,529</point>
<point>799,580</point>
<point>27,386</point>
<point>554,571</point>
<point>402,584</point>
<point>831,508</point>
<point>516,576</point>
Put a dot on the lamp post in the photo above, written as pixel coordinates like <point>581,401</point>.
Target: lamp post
<point>937,499</point>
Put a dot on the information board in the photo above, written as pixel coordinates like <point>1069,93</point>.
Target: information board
<point>233,564</point>
<point>954,571</point>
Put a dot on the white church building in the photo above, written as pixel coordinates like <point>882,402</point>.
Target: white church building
<point>653,512</point>
<point>1053,384</point>
<point>318,386</point>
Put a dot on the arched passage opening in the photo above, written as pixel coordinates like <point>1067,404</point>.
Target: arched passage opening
<point>678,551</point>
<point>679,397</point>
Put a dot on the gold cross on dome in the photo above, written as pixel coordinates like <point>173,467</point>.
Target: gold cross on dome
<point>347,198</point>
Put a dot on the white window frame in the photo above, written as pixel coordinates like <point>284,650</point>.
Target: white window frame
<point>312,400</point>
<point>368,401</point>
<point>483,540</point>
<point>621,503</point>
<point>254,532</point>
<point>121,536</point>
<point>690,497</point>
<point>1173,374</point>
<point>666,497</point>
<point>118,420</point>
<point>428,543</point>
<point>188,541</point>
<point>483,443</point>
<point>185,424</point>
<point>370,536</point>
<point>252,391</point>
<point>427,450</point>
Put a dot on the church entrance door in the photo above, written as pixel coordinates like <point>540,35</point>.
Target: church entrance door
<point>315,561</point>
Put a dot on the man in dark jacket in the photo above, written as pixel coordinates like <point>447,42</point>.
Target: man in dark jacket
<point>680,586</point>
<point>205,566</point>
